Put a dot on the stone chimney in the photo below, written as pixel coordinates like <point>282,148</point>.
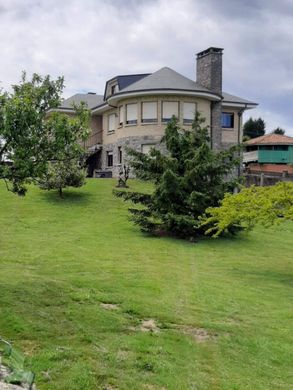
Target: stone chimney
<point>209,75</point>
<point>209,69</point>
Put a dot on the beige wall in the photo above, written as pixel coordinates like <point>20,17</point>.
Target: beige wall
<point>231,135</point>
<point>149,129</point>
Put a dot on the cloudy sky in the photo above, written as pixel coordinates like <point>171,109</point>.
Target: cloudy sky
<point>90,41</point>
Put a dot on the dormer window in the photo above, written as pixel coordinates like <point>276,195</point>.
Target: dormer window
<point>114,89</point>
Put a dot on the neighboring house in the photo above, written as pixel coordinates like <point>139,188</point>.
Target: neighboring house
<point>269,157</point>
<point>134,111</point>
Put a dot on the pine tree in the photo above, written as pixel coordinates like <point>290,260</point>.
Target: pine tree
<point>253,128</point>
<point>189,178</point>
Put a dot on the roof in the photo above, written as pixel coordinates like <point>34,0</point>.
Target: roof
<point>270,168</point>
<point>125,80</point>
<point>228,98</point>
<point>165,78</point>
<point>91,99</point>
<point>271,139</point>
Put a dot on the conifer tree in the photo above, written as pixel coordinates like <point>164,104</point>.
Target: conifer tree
<point>187,179</point>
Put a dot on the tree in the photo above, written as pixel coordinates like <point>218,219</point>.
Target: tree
<point>30,138</point>
<point>62,174</point>
<point>279,130</point>
<point>253,128</point>
<point>187,180</point>
<point>251,206</point>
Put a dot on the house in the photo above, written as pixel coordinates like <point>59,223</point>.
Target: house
<point>269,157</point>
<point>134,110</point>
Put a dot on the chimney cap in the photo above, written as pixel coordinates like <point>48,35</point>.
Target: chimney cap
<point>210,50</point>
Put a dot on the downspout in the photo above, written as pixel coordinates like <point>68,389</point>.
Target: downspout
<point>240,112</point>
<point>211,125</point>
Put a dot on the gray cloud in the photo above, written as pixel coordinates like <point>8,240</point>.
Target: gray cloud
<point>90,41</point>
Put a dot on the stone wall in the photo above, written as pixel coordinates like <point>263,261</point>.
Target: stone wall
<point>127,142</point>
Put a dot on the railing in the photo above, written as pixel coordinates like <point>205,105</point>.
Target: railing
<point>250,156</point>
<point>93,140</point>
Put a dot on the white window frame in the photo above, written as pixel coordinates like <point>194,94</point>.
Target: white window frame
<point>187,118</point>
<point>121,115</point>
<point>111,125</point>
<point>167,119</point>
<point>146,117</point>
<point>134,118</point>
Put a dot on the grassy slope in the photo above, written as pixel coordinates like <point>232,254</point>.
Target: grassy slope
<point>59,259</point>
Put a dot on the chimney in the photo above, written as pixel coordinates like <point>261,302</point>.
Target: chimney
<point>209,75</point>
<point>209,69</point>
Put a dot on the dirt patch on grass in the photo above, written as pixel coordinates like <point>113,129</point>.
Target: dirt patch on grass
<point>149,326</point>
<point>110,306</point>
<point>201,335</point>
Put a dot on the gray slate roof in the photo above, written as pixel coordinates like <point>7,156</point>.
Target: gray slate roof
<point>235,99</point>
<point>91,99</point>
<point>165,78</point>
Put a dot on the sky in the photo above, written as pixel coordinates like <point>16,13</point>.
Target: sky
<point>91,41</point>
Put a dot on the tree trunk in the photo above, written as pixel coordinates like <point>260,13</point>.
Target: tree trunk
<point>60,192</point>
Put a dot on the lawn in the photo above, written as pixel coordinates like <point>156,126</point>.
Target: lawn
<point>95,304</point>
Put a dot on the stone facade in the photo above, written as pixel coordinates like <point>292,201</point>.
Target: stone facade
<point>135,143</point>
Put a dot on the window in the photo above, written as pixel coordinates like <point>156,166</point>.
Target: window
<point>110,159</point>
<point>189,110</point>
<point>111,122</point>
<point>131,114</point>
<point>114,89</point>
<point>168,110</point>
<point>281,147</point>
<point>149,112</point>
<point>121,115</point>
<point>227,120</point>
<point>119,155</point>
<point>146,148</point>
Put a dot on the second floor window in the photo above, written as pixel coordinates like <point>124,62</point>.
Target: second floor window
<point>188,112</point>
<point>168,110</point>
<point>228,120</point>
<point>111,122</point>
<point>121,115</point>
<point>131,114</point>
<point>149,112</point>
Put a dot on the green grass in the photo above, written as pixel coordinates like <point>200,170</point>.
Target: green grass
<point>60,259</point>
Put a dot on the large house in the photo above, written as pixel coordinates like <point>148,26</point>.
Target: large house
<point>134,110</point>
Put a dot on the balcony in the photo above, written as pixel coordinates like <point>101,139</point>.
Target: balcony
<point>250,156</point>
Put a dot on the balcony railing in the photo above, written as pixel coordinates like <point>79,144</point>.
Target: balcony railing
<point>250,156</point>
<point>93,140</point>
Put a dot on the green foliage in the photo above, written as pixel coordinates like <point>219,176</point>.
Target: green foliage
<point>251,206</point>
<point>188,178</point>
<point>30,137</point>
<point>253,128</point>
<point>279,130</point>
<point>62,174</point>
